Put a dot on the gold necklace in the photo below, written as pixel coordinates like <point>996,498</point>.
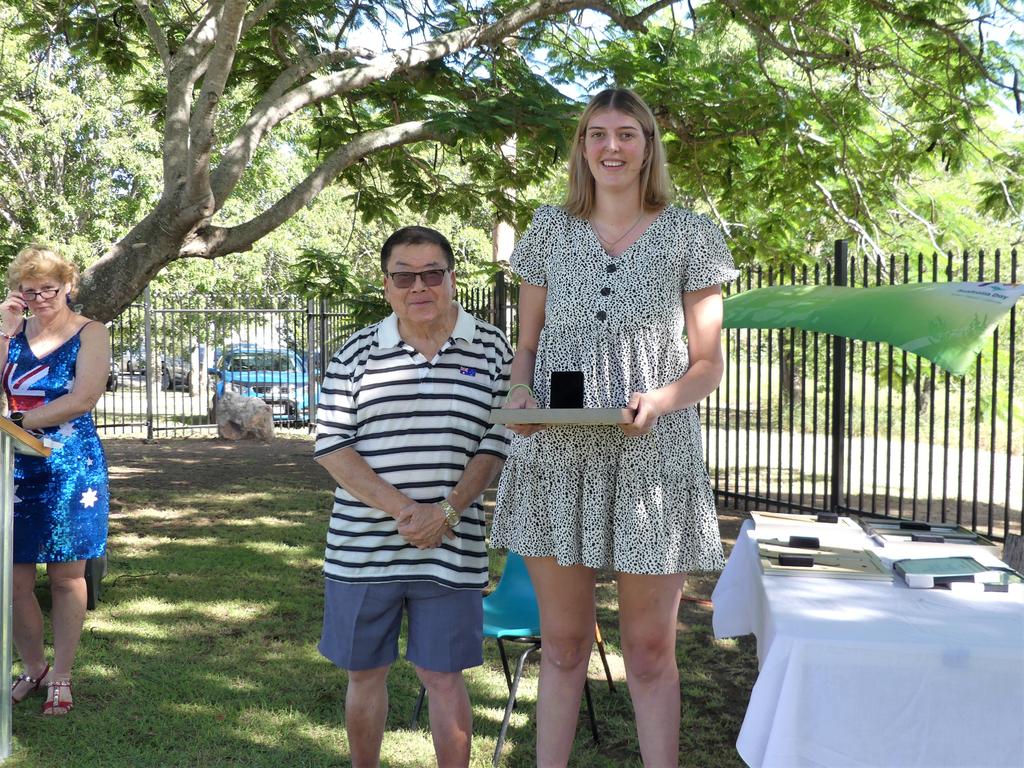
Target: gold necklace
<point>611,243</point>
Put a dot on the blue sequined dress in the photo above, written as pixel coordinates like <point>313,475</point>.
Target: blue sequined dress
<point>60,503</point>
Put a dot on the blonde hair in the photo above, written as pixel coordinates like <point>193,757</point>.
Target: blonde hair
<point>655,186</point>
<point>37,262</point>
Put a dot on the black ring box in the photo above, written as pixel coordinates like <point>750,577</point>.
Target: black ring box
<point>566,389</point>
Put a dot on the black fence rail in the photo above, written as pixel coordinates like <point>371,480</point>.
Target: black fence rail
<point>804,421</point>
<point>173,354</point>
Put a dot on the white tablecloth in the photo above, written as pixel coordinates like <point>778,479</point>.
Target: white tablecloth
<point>861,673</point>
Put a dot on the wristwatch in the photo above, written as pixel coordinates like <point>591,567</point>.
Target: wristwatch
<point>451,515</point>
<point>17,417</point>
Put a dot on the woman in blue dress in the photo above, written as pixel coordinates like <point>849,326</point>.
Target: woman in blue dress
<point>55,365</point>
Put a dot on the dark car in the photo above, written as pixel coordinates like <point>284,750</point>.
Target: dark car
<point>133,361</point>
<point>275,375</point>
<point>114,377</point>
<point>176,373</point>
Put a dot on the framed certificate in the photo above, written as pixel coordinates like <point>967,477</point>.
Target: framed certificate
<point>562,416</point>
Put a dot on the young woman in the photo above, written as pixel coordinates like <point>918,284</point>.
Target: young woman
<point>54,368</point>
<point>610,280</point>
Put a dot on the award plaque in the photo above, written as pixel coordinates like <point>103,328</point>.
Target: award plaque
<point>566,396</point>
<point>787,558</point>
<point>562,416</point>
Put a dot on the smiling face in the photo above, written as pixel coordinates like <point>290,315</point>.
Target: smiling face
<point>614,146</point>
<point>419,304</point>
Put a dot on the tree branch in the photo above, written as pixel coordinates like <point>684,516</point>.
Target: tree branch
<point>181,79</point>
<point>850,222</point>
<point>211,242</point>
<point>928,226</point>
<point>257,15</point>
<point>634,23</point>
<point>201,125</point>
<point>945,31</point>
<point>279,103</point>
<point>199,40</point>
<point>156,34</point>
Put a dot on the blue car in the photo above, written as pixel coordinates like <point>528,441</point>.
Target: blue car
<point>276,376</point>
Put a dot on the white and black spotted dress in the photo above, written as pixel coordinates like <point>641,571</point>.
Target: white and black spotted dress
<point>591,495</point>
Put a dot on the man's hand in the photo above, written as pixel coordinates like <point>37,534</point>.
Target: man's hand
<point>423,525</point>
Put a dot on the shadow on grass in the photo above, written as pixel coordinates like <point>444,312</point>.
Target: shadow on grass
<point>203,649</point>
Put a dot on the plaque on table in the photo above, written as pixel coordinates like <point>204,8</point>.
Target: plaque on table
<point>886,532</point>
<point>781,558</point>
<point>823,520</point>
<point>931,572</point>
<point>562,416</point>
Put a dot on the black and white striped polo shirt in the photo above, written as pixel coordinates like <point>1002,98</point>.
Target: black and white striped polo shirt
<point>417,423</point>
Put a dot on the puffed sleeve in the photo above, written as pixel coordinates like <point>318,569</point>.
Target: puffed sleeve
<point>529,257</point>
<point>708,260</point>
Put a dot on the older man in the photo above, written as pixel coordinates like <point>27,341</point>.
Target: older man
<point>403,428</point>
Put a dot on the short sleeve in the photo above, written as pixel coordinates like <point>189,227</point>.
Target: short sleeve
<point>708,259</point>
<point>529,257</point>
<point>496,440</point>
<point>336,411</point>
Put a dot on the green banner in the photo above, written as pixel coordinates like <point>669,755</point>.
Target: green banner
<point>942,322</point>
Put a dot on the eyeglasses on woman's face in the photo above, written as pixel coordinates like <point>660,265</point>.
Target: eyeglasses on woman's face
<point>42,293</point>
<point>430,277</point>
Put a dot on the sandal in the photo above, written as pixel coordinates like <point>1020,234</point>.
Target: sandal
<point>55,703</point>
<point>34,682</point>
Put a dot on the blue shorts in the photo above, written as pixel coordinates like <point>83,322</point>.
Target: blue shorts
<point>362,623</point>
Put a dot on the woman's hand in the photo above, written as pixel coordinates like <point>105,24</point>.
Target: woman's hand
<point>12,310</point>
<point>646,410</point>
<point>522,397</point>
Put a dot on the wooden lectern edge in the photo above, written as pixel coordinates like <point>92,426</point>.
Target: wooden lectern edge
<point>33,444</point>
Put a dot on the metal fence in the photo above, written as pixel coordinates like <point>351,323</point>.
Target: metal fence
<point>804,421</point>
<point>164,347</point>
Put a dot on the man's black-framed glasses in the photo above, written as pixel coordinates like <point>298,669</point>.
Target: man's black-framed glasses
<point>45,293</point>
<point>430,277</point>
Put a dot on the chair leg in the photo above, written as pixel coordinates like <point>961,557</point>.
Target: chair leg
<point>504,662</point>
<point>95,569</point>
<point>512,701</point>
<point>414,722</point>
<point>604,659</point>
<point>590,710</point>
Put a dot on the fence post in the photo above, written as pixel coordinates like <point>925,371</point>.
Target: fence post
<point>838,389</point>
<point>311,363</point>
<point>147,324</point>
<point>500,299</point>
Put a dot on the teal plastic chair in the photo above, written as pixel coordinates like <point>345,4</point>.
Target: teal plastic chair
<point>511,615</point>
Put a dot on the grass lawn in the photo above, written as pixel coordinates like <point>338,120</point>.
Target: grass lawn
<point>202,651</point>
